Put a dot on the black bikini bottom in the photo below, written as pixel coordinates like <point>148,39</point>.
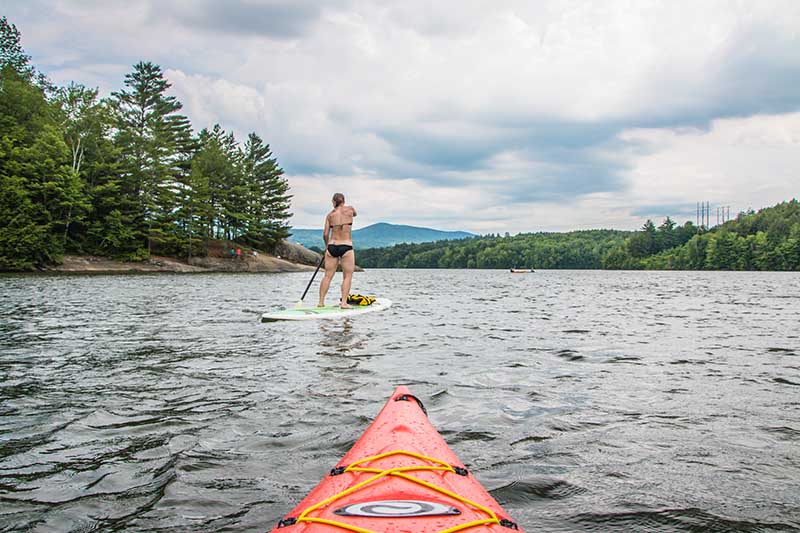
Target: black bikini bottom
<point>338,250</point>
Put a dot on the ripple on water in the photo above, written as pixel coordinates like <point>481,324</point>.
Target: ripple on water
<point>688,519</point>
<point>521,492</point>
<point>587,401</point>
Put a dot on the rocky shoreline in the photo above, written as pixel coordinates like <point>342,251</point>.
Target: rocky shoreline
<point>290,257</point>
<point>74,264</point>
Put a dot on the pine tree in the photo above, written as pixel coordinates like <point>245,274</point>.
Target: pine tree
<point>194,212</point>
<point>13,55</point>
<point>269,199</point>
<point>200,191</point>
<point>156,146</point>
<point>214,167</point>
<point>11,52</point>
<point>643,243</point>
<point>234,194</point>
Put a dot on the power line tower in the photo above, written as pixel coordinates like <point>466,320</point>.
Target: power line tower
<point>697,216</point>
<point>703,216</point>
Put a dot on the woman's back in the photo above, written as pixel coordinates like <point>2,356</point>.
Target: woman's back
<point>341,222</point>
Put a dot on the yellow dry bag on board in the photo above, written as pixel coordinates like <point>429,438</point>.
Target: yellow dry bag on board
<point>357,299</point>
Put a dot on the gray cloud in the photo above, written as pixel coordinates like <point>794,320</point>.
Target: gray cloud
<point>759,73</point>
<point>677,212</point>
<point>556,161</point>
<point>443,152</point>
<point>268,18</point>
<point>566,175</point>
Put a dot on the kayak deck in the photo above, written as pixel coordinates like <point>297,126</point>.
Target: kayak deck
<point>400,476</point>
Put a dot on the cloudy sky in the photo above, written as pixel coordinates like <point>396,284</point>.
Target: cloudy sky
<point>483,116</point>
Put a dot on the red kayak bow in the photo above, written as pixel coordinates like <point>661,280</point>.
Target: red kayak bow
<point>399,477</point>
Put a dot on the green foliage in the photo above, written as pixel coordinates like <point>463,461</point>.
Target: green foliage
<point>21,238</point>
<point>763,240</point>
<point>577,249</point>
<point>233,193</point>
<point>12,55</point>
<point>11,52</point>
<point>155,142</point>
<point>268,192</point>
<point>38,189</point>
<point>122,177</point>
<point>766,240</point>
<point>643,243</point>
<point>644,248</point>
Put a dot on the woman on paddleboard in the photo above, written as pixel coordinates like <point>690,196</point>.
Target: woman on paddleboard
<point>338,248</point>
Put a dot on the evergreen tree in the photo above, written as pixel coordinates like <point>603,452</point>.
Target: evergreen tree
<point>195,214</point>
<point>204,191</point>
<point>643,243</point>
<point>214,168</point>
<point>268,195</point>
<point>665,235</point>
<point>13,55</point>
<point>234,191</point>
<point>11,52</point>
<point>156,146</point>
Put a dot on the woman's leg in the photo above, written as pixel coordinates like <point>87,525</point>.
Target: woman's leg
<point>330,269</point>
<point>348,266</point>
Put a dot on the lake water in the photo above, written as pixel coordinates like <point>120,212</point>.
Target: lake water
<point>583,400</point>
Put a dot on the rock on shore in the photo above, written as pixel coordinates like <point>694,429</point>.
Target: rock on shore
<point>290,257</point>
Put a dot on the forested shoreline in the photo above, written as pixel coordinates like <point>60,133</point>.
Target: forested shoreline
<point>576,249</point>
<point>123,176</point>
<point>765,240</point>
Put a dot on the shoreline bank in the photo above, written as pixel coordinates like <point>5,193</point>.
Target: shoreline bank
<point>289,257</point>
<point>263,263</point>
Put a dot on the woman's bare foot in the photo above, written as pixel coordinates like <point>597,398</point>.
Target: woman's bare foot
<point>346,306</point>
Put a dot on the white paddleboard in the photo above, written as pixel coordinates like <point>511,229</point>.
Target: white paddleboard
<point>327,312</point>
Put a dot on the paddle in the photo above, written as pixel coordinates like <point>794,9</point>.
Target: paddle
<point>299,304</point>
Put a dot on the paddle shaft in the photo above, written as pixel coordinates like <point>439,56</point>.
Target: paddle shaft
<point>322,260</point>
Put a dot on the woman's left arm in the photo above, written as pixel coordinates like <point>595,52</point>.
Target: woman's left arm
<point>326,232</point>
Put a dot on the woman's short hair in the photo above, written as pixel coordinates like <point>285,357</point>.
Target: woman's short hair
<point>338,199</point>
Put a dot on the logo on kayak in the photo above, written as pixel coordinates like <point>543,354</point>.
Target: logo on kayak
<point>397,509</point>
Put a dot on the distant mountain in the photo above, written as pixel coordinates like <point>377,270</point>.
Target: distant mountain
<point>380,235</point>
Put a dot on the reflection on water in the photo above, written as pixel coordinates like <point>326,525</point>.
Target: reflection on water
<point>339,338</point>
<point>585,401</point>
